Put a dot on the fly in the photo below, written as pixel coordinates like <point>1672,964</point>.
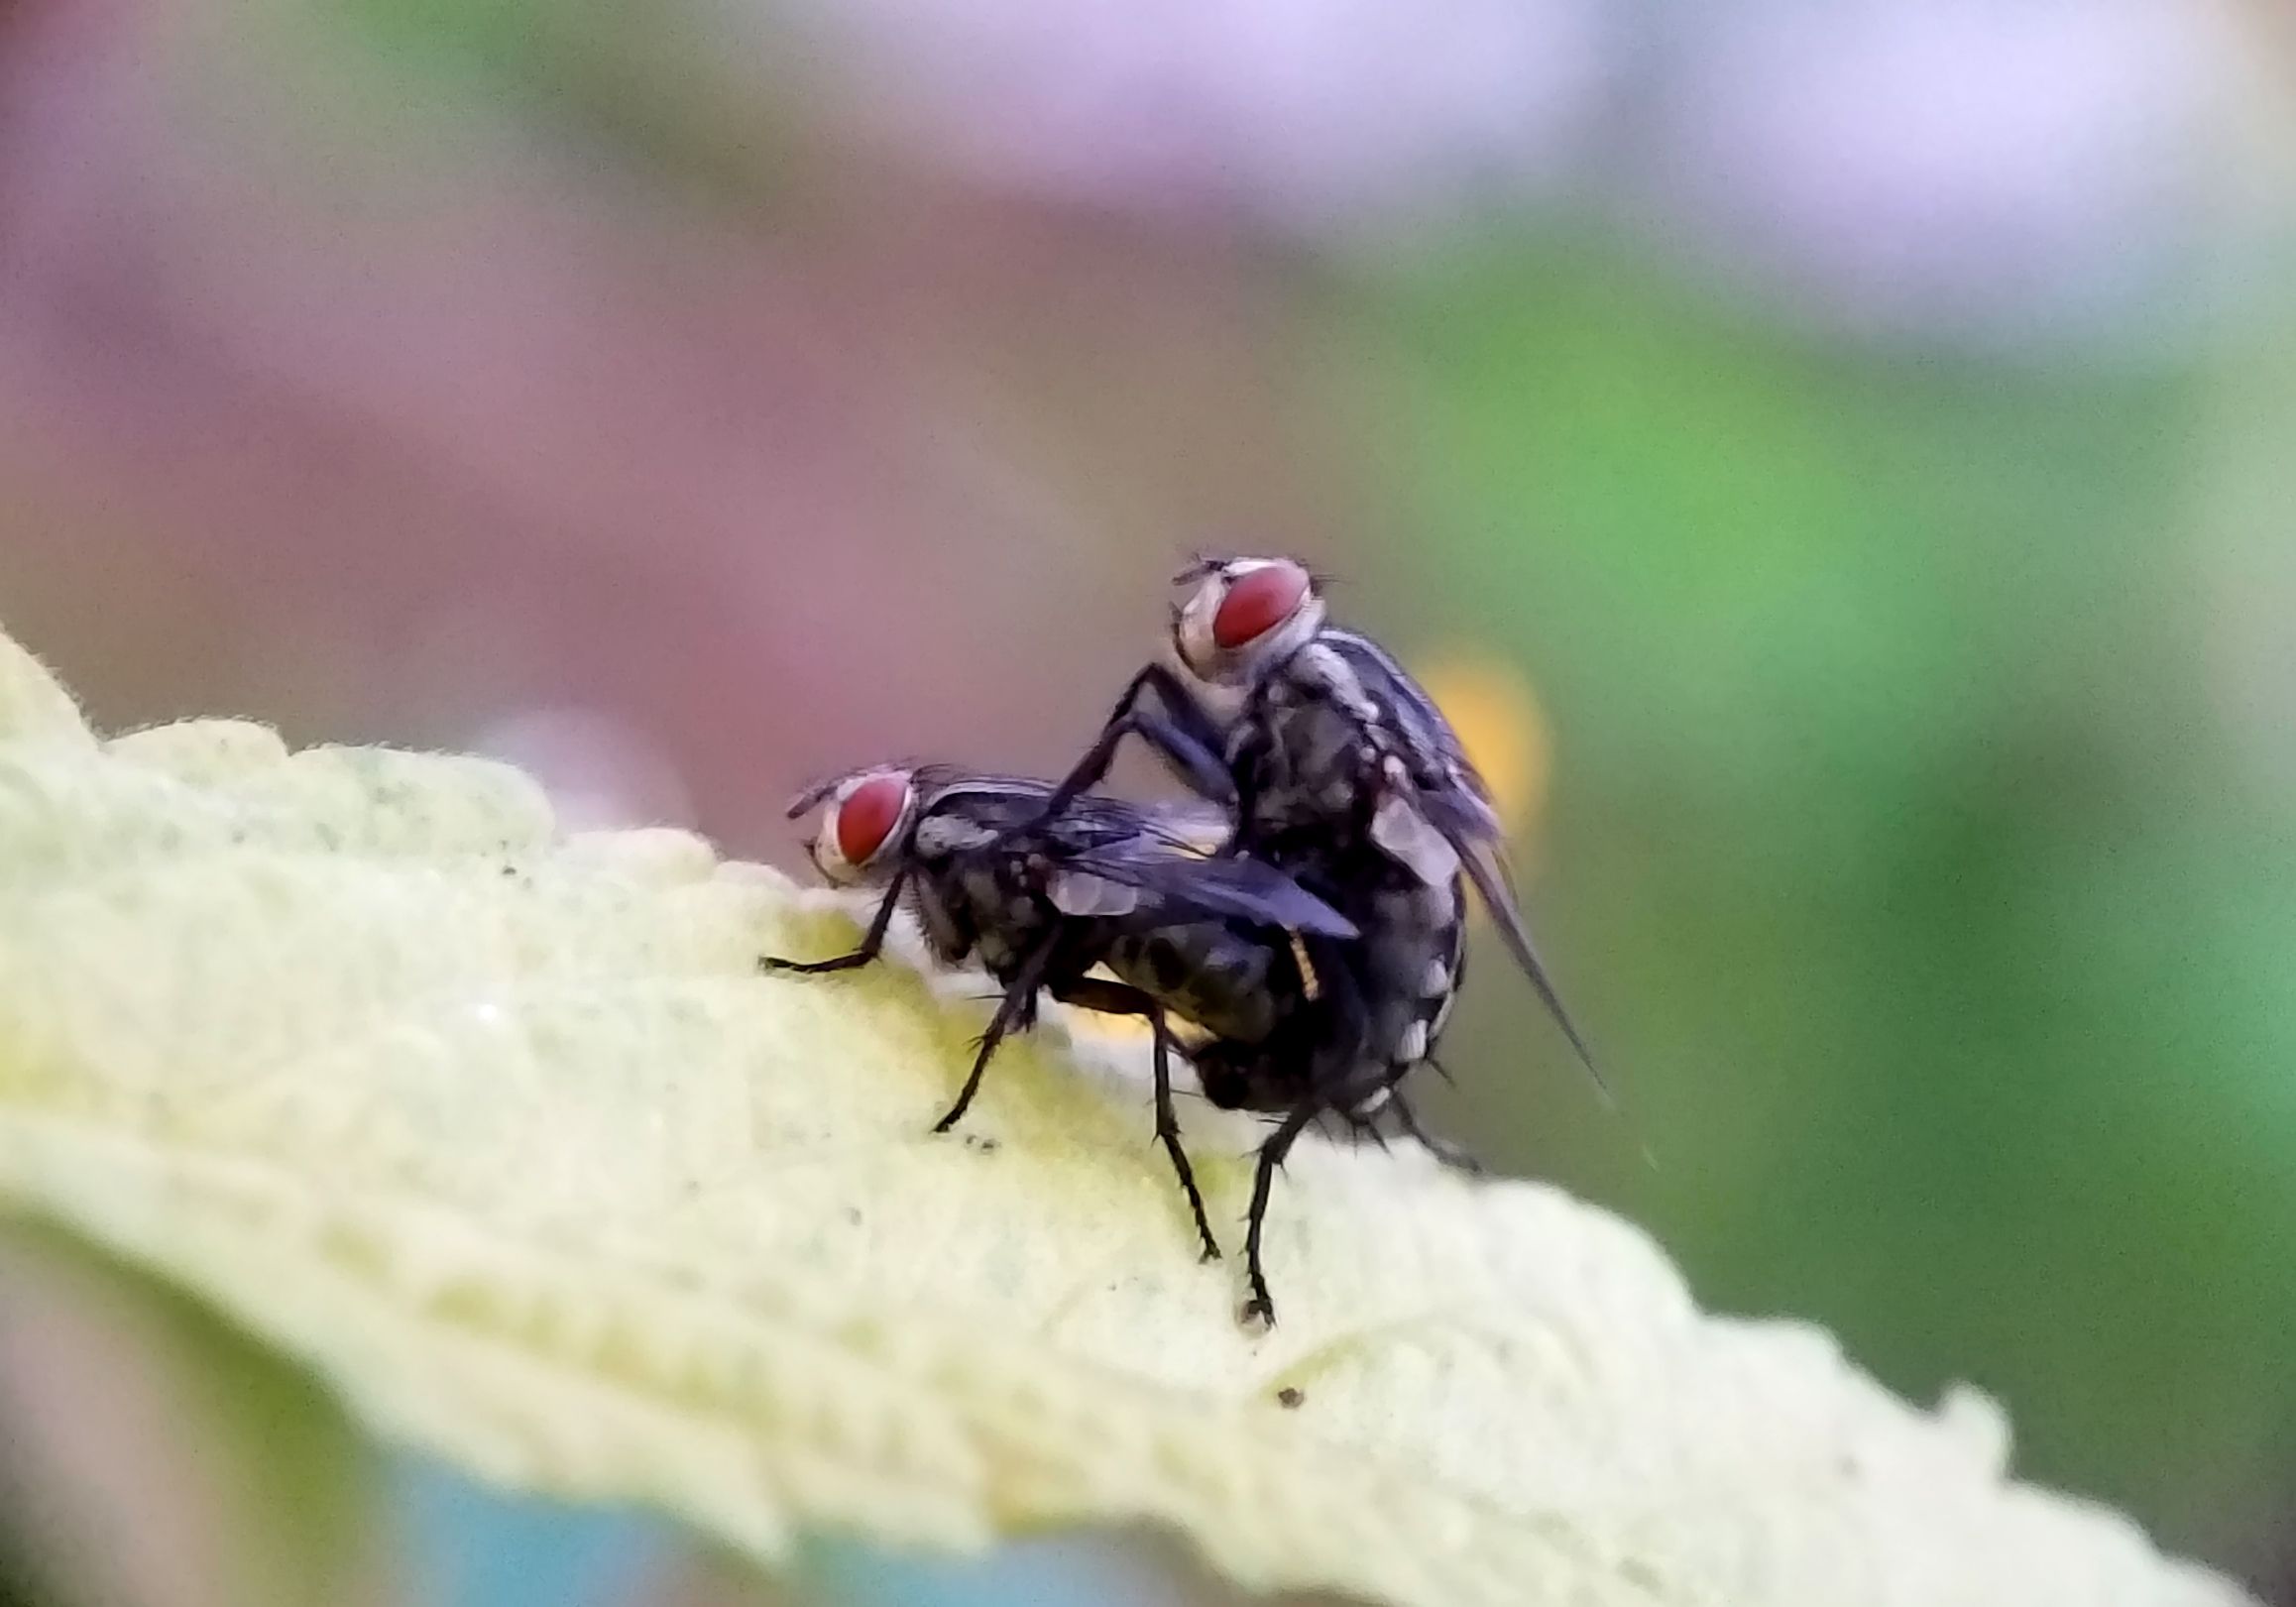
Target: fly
<point>1041,899</point>
<point>1319,744</point>
<point>1337,767</point>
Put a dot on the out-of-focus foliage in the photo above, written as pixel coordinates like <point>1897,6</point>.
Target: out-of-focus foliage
<point>1894,731</point>
<point>248,1488</point>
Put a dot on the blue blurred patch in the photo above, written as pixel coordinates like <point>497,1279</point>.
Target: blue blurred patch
<point>1074,1572</point>
<point>470,1546</point>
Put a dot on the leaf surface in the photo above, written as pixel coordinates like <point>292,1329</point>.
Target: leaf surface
<point>502,1133</point>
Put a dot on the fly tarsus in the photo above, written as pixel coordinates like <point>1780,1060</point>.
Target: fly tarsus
<point>1116,999</point>
<point>1260,1309</point>
<point>1014,1009</point>
<point>1453,1155</point>
<point>815,968</point>
<point>873,940</point>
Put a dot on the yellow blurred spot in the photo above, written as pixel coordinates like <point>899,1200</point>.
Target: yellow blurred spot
<point>1097,1024</point>
<point>1500,723</point>
<point>1084,1025</point>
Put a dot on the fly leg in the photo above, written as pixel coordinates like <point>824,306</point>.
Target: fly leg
<point>1014,1009</point>
<point>873,940</point>
<point>1443,1149</point>
<point>1260,1309</point>
<point>1118,999</point>
<point>1178,732</point>
<point>1243,778</point>
<point>1333,1073</point>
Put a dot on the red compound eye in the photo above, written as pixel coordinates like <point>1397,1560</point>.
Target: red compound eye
<point>868,815</point>
<point>1257,602</point>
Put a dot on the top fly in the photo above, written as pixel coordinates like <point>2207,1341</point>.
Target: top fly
<point>1325,748</point>
<point>1338,768</point>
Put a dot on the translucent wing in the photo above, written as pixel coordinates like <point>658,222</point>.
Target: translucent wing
<point>1194,827</point>
<point>1181,884</point>
<point>1121,859</point>
<point>1417,733</point>
<point>1491,885</point>
<point>1161,852</point>
<point>1452,799</point>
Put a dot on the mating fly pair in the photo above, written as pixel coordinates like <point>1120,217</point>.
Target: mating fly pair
<point>1320,949</point>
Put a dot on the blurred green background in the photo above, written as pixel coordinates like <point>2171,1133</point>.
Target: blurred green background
<point>1863,432</point>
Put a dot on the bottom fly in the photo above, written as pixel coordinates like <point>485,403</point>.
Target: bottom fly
<point>1041,902</point>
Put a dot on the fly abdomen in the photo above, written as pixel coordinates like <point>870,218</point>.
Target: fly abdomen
<point>1224,979</point>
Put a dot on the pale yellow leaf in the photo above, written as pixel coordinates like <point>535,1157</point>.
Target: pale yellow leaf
<point>503,1134</point>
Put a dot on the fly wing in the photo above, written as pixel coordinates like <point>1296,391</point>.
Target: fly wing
<point>1452,799</point>
<point>1008,810</point>
<point>1417,733</point>
<point>1119,860</point>
<point>1177,884</point>
<point>1250,890</point>
<point>978,798</point>
<point>1467,822</point>
<point>1088,823</point>
<point>1423,756</point>
<point>1198,829</point>
<point>1007,813</point>
<point>1489,876</point>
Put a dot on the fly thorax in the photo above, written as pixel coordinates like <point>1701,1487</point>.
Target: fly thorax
<point>998,900</point>
<point>1325,676</point>
<point>1222,705</point>
<point>940,836</point>
<point>1316,767</point>
<point>949,938</point>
